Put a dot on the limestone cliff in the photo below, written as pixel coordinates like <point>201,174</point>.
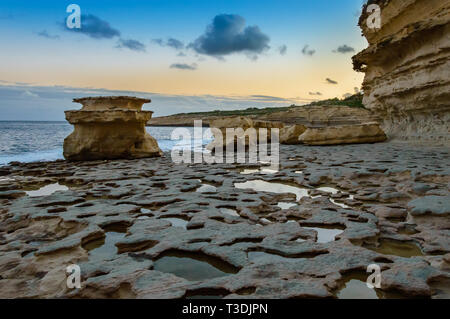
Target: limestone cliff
<point>407,67</point>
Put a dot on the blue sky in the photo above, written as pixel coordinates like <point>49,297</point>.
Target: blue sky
<point>191,55</point>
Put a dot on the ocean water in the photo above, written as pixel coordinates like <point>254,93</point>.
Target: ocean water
<point>43,141</point>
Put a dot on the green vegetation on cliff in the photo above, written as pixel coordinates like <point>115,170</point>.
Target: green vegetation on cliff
<point>352,101</point>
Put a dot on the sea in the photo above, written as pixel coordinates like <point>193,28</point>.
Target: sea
<point>43,141</point>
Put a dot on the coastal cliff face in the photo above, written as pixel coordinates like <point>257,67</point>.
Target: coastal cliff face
<point>300,115</point>
<point>407,67</point>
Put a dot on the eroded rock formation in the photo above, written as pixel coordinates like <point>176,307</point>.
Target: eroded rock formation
<point>407,67</point>
<point>220,130</point>
<point>344,134</point>
<point>110,128</point>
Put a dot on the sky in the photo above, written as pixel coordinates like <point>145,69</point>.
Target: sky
<point>187,56</point>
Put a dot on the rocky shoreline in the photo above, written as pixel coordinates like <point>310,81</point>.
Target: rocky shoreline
<point>148,228</point>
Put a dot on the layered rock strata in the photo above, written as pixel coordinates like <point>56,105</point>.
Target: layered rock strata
<point>110,128</point>
<point>407,67</point>
<point>222,138</point>
<point>345,134</point>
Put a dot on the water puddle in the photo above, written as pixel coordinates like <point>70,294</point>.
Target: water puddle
<point>259,170</point>
<point>229,211</point>
<point>334,191</point>
<point>396,248</point>
<point>263,186</point>
<point>106,247</point>
<point>283,205</point>
<point>177,222</point>
<point>330,190</point>
<point>193,266</point>
<point>205,188</point>
<point>355,287</point>
<point>47,190</point>
<point>326,235</point>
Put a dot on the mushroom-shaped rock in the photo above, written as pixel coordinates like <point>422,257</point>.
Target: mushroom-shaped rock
<point>110,127</point>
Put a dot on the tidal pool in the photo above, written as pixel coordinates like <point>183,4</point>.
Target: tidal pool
<point>205,188</point>
<point>106,247</point>
<point>396,248</point>
<point>326,235</point>
<point>47,190</point>
<point>355,287</point>
<point>228,211</point>
<point>193,266</point>
<point>177,222</point>
<point>283,205</point>
<point>270,187</point>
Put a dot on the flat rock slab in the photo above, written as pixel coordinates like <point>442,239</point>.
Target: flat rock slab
<point>118,219</point>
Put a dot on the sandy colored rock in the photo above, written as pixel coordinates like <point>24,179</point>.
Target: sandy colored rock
<point>244,123</point>
<point>109,128</point>
<point>290,134</point>
<point>346,134</point>
<point>406,68</point>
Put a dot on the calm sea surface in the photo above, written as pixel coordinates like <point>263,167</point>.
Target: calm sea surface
<point>43,141</point>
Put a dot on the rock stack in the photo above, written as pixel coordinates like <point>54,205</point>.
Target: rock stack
<point>407,67</point>
<point>110,127</point>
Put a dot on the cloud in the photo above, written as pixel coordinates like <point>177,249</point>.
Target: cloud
<point>95,27</point>
<point>176,44</point>
<point>158,41</point>
<point>184,66</point>
<point>45,34</point>
<point>227,34</point>
<point>315,93</point>
<point>347,95</point>
<point>268,98</point>
<point>330,81</point>
<point>131,44</point>
<point>54,100</point>
<point>181,54</point>
<point>283,49</point>
<point>171,42</point>
<point>344,49</point>
<point>307,51</point>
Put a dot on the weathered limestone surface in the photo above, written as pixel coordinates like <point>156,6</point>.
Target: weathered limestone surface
<point>109,128</point>
<point>407,67</point>
<point>290,134</point>
<point>345,134</point>
<point>391,192</point>
<point>243,123</point>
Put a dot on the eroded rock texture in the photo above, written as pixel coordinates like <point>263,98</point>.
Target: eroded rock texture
<point>344,134</point>
<point>149,228</point>
<point>109,128</point>
<point>407,66</point>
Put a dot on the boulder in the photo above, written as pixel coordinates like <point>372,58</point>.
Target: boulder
<point>109,128</point>
<point>345,134</point>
